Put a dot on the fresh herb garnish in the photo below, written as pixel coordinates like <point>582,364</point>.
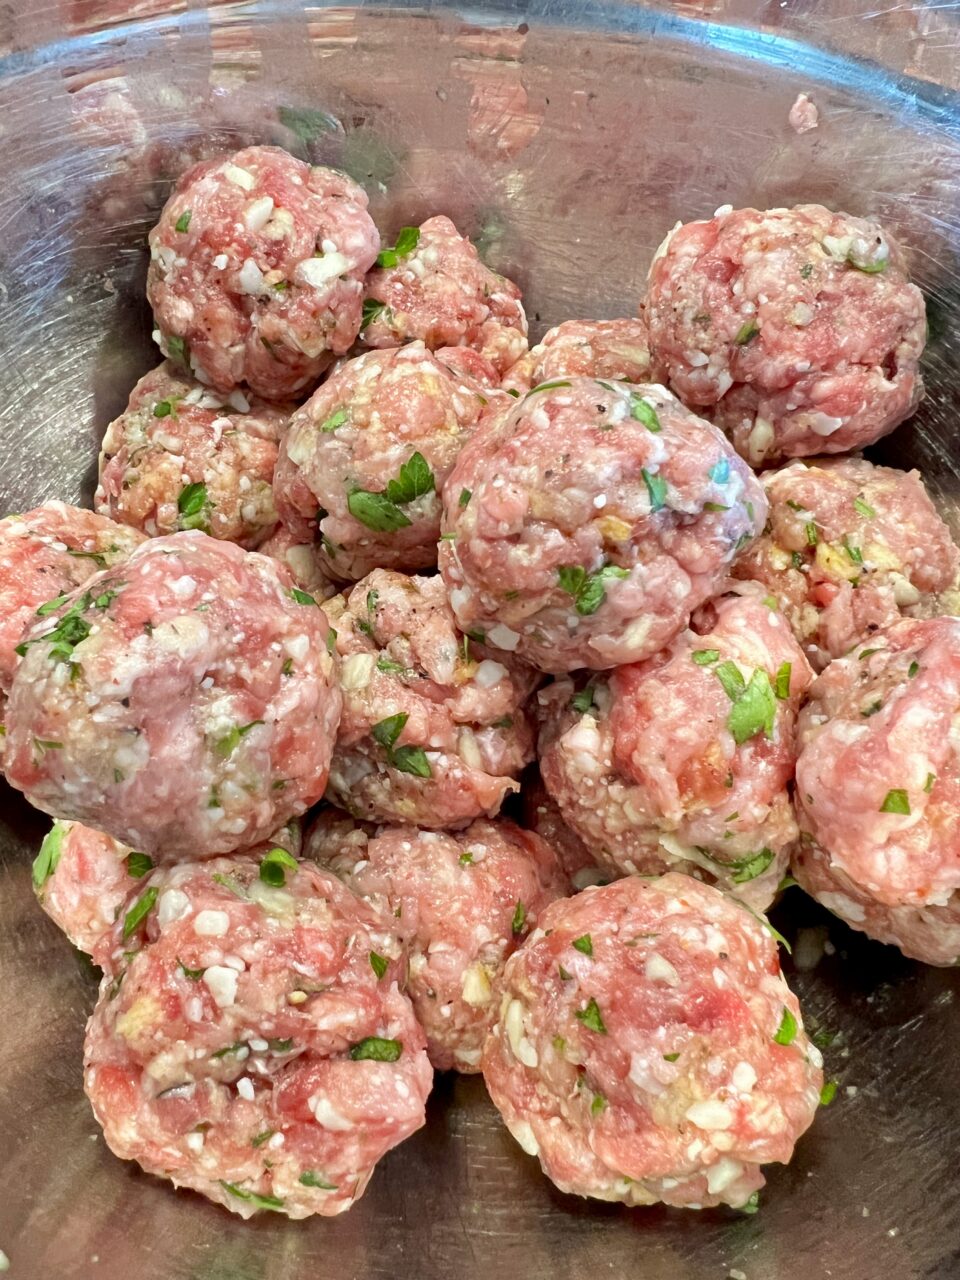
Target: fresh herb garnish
<point>583,944</point>
<point>376,1049</point>
<point>138,864</point>
<point>896,801</point>
<point>139,911</point>
<point>407,240</point>
<point>787,1030</point>
<point>274,867</point>
<point>591,1017</point>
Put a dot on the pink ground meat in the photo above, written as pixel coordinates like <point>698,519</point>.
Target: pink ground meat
<point>583,528</point>
<point>302,560</point>
<point>440,293</point>
<point>541,814</point>
<point>185,701</point>
<point>461,903</point>
<point>878,789</point>
<point>363,464</point>
<point>849,548</point>
<point>256,271</point>
<point>433,730</point>
<point>798,328</point>
<point>649,1049</point>
<point>614,349</point>
<point>182,456</point>
<point>83,879</point>
<point>254,1044</point>
<point>45,553</point>
<point>683,761</point>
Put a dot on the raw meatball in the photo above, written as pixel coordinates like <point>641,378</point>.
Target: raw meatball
<point>302,560</point>
<point>684,760</point>
<point>542,815</point>
<point>461,903</point>
<point>614,349</point>
<point>649,1049</point>
<point>365,458</point>
<point>433,287</point>
<point>849,548</point>
<point>83,878</point>
<point>798,327</point>
<point>584,527</point>
<point>433,729</point>
<point>182,456</point>
<point>45,553</point>
<point>256,270</point>
<point>255,1045</point>
<point>184,701</point>
<point>878,789</point>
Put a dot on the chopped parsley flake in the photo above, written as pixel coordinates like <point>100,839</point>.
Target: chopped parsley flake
<point>226,745</point>
<point>591,1017</point>
<point>407,240</point>
<point>928,785</point>
<point>336,419</point>
<point>863,508</point>
<point>747,332</point>
<point>519,918</point>
<point>810,529</point>
<point>896,801</point>
<point>378,963</point>
<point>183,222</point>
<point>584,700</point>
<point>828,1093</point>
<point>787,1030</point>
<point>547,386</point>
<point>656,489</point>
<point>376,511</point>
<point>704,657</point>
<point>371,310</point>
<point>913,669</point>
<point>302,597</point>
<point>274,867</point>
<point>588,589</point>
<point>376,1049</point>
<point>138,864</point>
<point>644,412</point>
<point>309,1178</point>
<point>413,481</point>
<point>139,911</point>
<point>583,944</point>
<point>781,685</point>
<point>193,974</point>
<point>465,496</point>
<point>45,863</point>
<point>671,1057</point>
<point>262,1202</point>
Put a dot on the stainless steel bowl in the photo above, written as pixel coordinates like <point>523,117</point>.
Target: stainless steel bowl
<point>566,138</point>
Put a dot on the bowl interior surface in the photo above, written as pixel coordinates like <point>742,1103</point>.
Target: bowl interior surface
<point>566,140</point>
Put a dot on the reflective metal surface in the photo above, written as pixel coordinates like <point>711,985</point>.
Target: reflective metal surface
<point>567,138</point>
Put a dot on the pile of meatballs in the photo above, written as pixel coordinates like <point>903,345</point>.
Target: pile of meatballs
<point>361,563</point>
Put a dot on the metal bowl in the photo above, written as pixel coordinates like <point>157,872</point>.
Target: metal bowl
<point>566,139</point>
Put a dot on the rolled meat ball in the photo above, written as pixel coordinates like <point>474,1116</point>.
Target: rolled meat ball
<point>182,456</point>
<point>583,528</point>
<point>185,701</point>
<point>683,761</point>
<point>433,730</point>
<point>648,1048</point>
<point>432,287</point>
<point>251,1041</point>
<point>44,554</point>
<point>850,548</point>
<point>614,349</point>
<point>302,560</point>
<point>797,328</point>
<point>541,814</point>
<point>878,789</point>
<point>461,902</point>
<point>361,468</point>
<point>83,878</point>
<point>256,271</point>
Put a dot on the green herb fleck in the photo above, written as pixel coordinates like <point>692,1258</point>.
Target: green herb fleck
<point>378,963</point>
<point>261,1138</point>
<point>656,489</point>
<point>302,597</point>
<point>704,657</point>
<point>376,511</point>
<point>336,419</point>
<point>519,918</point>
<point>828,1093</point>
<point>139,911</point>
<point>407,240</point>
<point>591,1017</point>
<point>183,222</point>
<point>896,801</point>
<point>811,531</point>
<point>45,863</point>
<point>465,496</point>
<point>863,507</point>
<point>928,785</point>
<point>274,867</point>
<point>747,332</point>
<point>193,974</point>
<point>386,732</point>
<point>787,1030</point>
<point>913,669</point>
<point>781,685</point>
<point>262,1202</point>
<point>376,1049</point>
<point>413,481</point>
<point>309,1178</point>
<point>584,944</point>
<point>138,864</point>
<point>671,1057</point>
<point>644,412</point>
<point>371,310</point>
